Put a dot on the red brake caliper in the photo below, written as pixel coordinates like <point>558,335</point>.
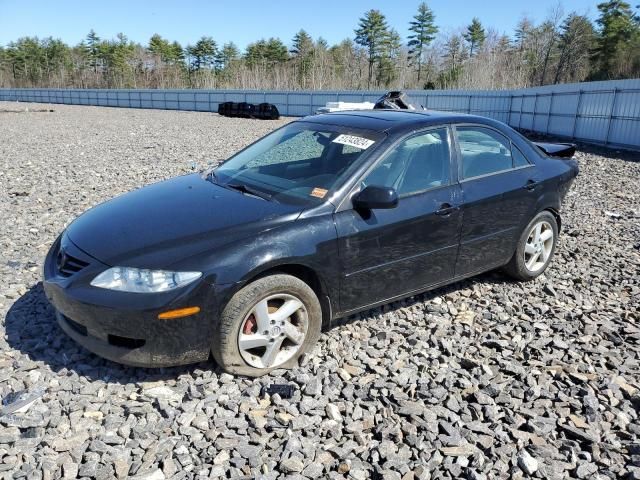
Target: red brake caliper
<point>250,325</point>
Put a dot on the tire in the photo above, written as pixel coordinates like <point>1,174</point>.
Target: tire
<point>260,304</point>
<point>524,265</point>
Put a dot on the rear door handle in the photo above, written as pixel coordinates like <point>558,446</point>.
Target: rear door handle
<point>531,185</point>
<point>446,209</point>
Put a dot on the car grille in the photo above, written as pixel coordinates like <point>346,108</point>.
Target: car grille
<point>68,265</point>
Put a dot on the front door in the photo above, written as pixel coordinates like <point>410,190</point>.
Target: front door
<point>387,253</point>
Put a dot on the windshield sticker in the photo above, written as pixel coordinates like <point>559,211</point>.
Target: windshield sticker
<point>318,192</point>
<point>353,141</point>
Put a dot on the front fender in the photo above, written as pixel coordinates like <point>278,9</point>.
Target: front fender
<point>310,243</point>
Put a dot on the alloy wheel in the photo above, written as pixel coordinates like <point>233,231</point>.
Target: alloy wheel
<point>273,331</point>
<point>539,246</point>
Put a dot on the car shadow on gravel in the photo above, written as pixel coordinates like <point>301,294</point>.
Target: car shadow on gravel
<point>31,328</point>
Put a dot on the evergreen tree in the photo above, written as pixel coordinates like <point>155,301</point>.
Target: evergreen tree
<point>276,51</point>
<point>228,54</point>
<point>388,61</point>
<point>424,31</point>
<point>523,32</point>
<point>575,43</point>
<point>302,51</point>
<point>475,36</point>
<point>372,32</point>
<point>618,29</point>
<point>302,44</point>
<point>57,56</point>
<point>26,56</point>
<point>202,54</point>
<point>270,51</point>
<point>177,53</point>
<point>118,54</point>
<point>92,46</point>
<point>160,47</point>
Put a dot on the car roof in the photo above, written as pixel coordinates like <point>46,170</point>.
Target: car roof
<point>393,121</point>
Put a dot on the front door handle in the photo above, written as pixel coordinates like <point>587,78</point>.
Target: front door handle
<point>446,209</point>
<point>531,185</point>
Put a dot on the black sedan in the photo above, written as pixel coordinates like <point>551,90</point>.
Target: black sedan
<point>327,216</point>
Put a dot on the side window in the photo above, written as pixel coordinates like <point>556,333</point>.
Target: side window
<point>416,164</point>
<point>483,151</point>
<point>519,160</point>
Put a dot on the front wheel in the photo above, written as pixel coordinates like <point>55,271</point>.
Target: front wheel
<point>535,248</point>
<point>268,324</point>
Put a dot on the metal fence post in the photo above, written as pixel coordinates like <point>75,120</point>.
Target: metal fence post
<point>510,108</point>
<point>520,114</point>
<point>611,112</point>
<point>575,117</point>
<point>546,129</point>
<point>533,120</point>
<point>469,104</point>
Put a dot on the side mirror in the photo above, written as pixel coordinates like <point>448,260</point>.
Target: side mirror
<point>374,197</point>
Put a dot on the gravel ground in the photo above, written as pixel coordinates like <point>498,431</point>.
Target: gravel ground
<point>484,379</point>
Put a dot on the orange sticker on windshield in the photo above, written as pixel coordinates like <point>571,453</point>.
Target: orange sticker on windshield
<point>318,192</point>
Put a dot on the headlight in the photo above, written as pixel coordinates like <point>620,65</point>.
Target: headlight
<point>137,280</point>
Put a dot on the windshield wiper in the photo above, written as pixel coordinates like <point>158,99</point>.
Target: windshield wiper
<point>241,187</point>
<point>210,176</point>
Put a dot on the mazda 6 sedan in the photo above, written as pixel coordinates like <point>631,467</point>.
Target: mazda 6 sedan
<point>327,216</point>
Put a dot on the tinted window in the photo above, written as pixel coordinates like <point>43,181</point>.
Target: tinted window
<point>483,151</point>
<point>416,164</point>
<point>519,160</point>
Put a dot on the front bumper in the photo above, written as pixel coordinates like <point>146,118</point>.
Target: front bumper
<point>124,327</point>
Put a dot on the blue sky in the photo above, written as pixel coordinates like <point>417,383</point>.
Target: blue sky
<point>243,21</point>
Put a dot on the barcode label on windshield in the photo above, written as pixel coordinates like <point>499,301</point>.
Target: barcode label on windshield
<point>353,141</point>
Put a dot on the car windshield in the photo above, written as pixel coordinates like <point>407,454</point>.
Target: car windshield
<point>299,163</point>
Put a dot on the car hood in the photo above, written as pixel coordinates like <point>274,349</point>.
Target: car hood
<point>159,225</point>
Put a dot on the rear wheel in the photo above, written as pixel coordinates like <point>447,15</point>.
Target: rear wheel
<point>266,325</point>
<point>535,248</point>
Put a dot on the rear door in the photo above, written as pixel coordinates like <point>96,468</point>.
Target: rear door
<point>387,253</point>
<point>499,196</point>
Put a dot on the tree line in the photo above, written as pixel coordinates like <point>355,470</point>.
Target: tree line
<point>561,48</point>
